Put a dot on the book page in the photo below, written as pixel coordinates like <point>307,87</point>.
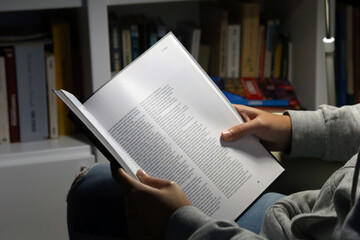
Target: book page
<point>167,115</point>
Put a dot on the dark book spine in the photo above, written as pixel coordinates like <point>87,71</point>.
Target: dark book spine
<point>115,46</point>
<point>12,94</point>
<point>143,37</point>
<point>356,54</point>
<point>341,56</point>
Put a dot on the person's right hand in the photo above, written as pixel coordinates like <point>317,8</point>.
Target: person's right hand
<point>274,130</point>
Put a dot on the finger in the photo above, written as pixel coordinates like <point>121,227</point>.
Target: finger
<point>246,112</point>
<point>151,181</point>
<point>126,181</point>
<point>239,131</point>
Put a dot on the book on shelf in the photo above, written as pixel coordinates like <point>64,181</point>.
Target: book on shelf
<point>32,94</point>
<point>115,43</point>
<point>214,23</point>
<point>4,113</point>
<point>204,56</point>
<point>270,31</point>
<point>51,98</point>
<point>349,55</point>
<point>255,92</point>
<point>126,43</point>
<point>61,37</point>
<point>143,25</point>
<point>12,97</point>
<point>278,54</point>
<point>250,23</point>
<point>167,129</point>
<point>233,52</point>
<point>190,34</point>
<point>134,33</point>
<point>340,59</point>
<point>261,51</point>
<point>285,58</point>
<point>356,53</point>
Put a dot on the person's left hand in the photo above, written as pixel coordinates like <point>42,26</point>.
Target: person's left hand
<point>149,203</point>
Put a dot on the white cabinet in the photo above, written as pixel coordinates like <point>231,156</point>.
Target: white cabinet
<point>35,178</point>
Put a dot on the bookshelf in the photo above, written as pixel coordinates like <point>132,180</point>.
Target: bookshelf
<point>302,19</point>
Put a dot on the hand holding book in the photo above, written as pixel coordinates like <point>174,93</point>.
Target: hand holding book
<point>274,130</point>
<point>150,203</point>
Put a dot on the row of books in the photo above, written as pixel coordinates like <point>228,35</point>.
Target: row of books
<point>243,43</point>
<point>130,36</point>
<point>259,92</point>
<point>230,40</point>
<point>347,53</point>
<point>30,68</point>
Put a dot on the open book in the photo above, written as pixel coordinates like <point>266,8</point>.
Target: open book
<point>163,114</point>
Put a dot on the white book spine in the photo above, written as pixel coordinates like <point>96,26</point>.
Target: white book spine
<point>52,100</point>
<point>31,82</point>
<point>4,114</point>
<point>233,55</point>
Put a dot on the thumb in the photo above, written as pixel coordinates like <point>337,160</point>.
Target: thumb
<point>239,131</point>
<point>151,181</point>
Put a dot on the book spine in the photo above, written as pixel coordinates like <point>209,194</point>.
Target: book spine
<point>349,56</point>
<point>63,68</point>
<point>356,54</point>
<point>30,72</point>
<point>204,56</point>
<point>115,46</point>
<point>143,36</point>
<point>126,46</point>
<point>277,60</point>
<point>341,56</point>
<point>12,94</point>
<point>262,50</point>
<point>269,43</point>
<point>135,50</point>
<point>233,54</point>
<point>285,58</point>
<point>223,44</point>
<point>252,89</point>
<point>195,43</point>
<point>52,100</point>
<point>250,30</point>
<point>4,114</point>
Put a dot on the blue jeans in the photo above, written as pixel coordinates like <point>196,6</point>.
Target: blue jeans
<point>95,207</point>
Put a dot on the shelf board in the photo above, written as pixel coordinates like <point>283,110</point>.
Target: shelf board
<point>60,149</point>
<point>128,2</point>
<point>21,5</point>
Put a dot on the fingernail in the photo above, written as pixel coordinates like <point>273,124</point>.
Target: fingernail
<point>141,173</point>
<point>227,134</point>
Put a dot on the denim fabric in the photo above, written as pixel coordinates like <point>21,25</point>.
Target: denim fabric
<point>253,218</point>
<point>95,206</point>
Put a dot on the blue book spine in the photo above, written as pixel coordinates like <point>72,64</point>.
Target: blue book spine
<point>340,57</point>
<point>134,33</point>
<point>32,94</point>
<point>236,99</point>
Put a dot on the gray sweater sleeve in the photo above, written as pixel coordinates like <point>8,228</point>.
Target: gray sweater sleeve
<point>328,133</point>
